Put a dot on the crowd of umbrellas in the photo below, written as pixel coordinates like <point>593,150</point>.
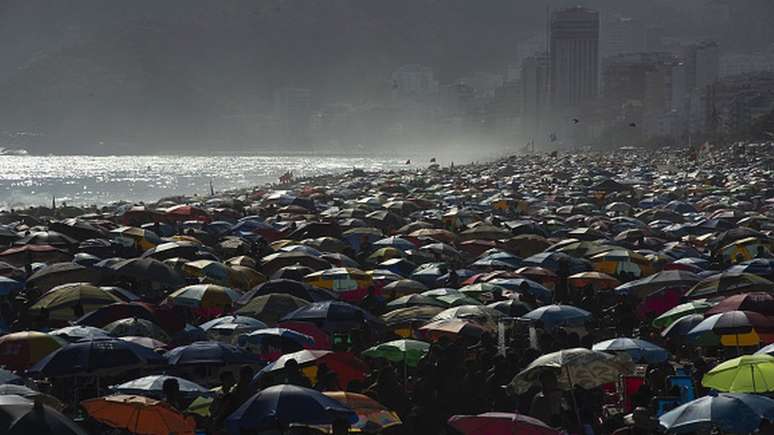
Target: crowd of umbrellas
<point>586,293</point>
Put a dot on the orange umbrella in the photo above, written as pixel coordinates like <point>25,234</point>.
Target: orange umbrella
<point>139,415</point>
<point>598,280</point>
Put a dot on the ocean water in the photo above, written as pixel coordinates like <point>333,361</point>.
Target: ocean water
<point>85,180</point>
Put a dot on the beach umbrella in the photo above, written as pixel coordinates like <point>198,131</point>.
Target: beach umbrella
<point>759,302</point>
<point>735,328</point>
<point>348,283</point>
<point>21,416</point>
<point>524,285</point>
<point>9,286</point>
<point>136,327</point>
<point>153,386</point>
<point>139,414</point>
<point>148,342</point>
<point>456,300</point>
<point>578,366</point>
<point>270,308</point>
<point>9,377</point>
<point>480,313</point>
<point>657,281</point>
<point>744,374</point>
<point>728,283</point>
<point>283,405</point>
<point>209,353</point>
<point>511,307</point>
<point>335,315</point>
<point>525,245</point>
<point>236,319</point>
<point>204,296</point>
<point>140,237</point>
<point>410,315</point>
<point>286,286</point>
<point>679,311</point>
<point>71,301</point>
<point>372,416</point>
<point>50,238</point>
<point>295,272</point>
<point>557,315</point>
<point>484,292</point>
<point>731,413</point>
<point>346,366</point>
<point>759,266</point>
<point>680,328</point>
<point>273,262</point>
<point>597,280</point>
<point>22,255</point>
<point>285,339</point>
<point>500,423</point>
<point>21,350</point>
<point>553,260</point>
<point>167,250</point>
<point>402,287</point>
<point>148,270</point>
<point>452,328</point>
<point>413,300</point>
<point>79,332</point>
<point>638,350</point>
<point>95,357</point>
<point>407,352</point>
<point>120,310</point>
<point>210,271</point>
<point>56,274</point>
<point>620,262</point>
<point>30,394</point>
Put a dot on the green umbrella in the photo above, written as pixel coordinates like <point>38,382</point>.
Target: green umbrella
<point>408,351</point>
<point>744,374</point>
<point>682,310</point>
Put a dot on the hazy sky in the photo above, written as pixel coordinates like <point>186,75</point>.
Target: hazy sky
<point>143,75</point>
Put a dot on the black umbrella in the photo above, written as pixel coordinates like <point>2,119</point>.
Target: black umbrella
<point>56,274</point>
<point>148,269</point>
<point>51,238</point>
<point>290,287</point>
<point>78,229</point>
<point>21,416</point>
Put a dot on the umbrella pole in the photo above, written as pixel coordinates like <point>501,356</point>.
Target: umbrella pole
<point>752,377</point>
<point>574,401</point>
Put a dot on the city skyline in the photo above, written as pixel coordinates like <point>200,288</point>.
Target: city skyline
<point>485,84</point>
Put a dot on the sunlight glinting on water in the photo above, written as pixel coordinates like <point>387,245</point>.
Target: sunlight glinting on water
<point>34,180</point>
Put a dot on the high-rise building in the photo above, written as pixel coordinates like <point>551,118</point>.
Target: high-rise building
<point>620,35</point>
<point>574,57</point>
<point>535,93</point>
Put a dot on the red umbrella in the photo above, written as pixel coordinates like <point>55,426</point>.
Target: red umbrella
<point>759,302</point>
<point>500,423</point>
<point>321,339</point>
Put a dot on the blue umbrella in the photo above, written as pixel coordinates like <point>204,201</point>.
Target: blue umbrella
<point>429,273</point>
<point>209,353</point>
<point>9,377</point>
<point>729,412</point>
<point>401,266</point>
<point>758,266</point>
<point>537,290</point>
<point>153,385</point>
<point>335,315</point>
<point>79,332</point>
<point>552,261</point>
<point>283,405</point>
<point>237,319</point>
<point>639,350</point>
<point>557,315</point>
<point>94,356</point>
<point>394,242</point>
<point>9,286</point>
<point>257,336</point>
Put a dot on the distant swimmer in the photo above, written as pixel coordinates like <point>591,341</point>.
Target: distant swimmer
<point>432,160</point>
<point>408,162</point>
